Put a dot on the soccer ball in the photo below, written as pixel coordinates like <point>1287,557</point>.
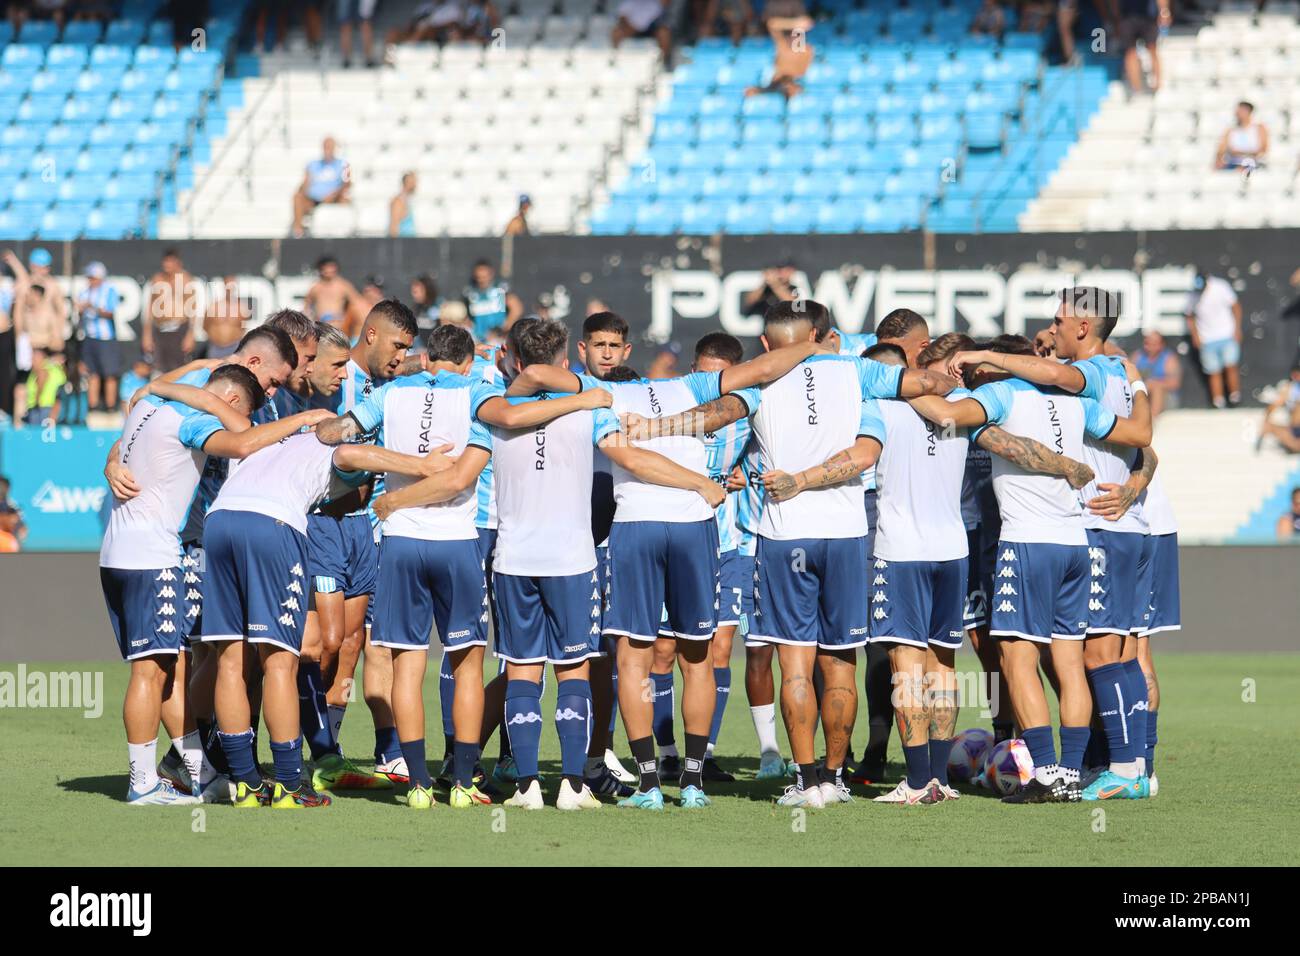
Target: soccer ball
<point>969,748</point>
<point>1008,767</point>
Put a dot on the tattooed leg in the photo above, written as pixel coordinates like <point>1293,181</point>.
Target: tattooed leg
<point>839,706</point>
<point>908,665</point>
<point>798,701</point>
<point>941,677</point>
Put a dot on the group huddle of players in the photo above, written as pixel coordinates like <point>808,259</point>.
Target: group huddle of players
<point>280,513</point>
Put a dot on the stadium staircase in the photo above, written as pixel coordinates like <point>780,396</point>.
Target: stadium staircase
<point>1146,162</point>
<point>98,124</point>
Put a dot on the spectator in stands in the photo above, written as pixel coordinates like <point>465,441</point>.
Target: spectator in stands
<point>56,10</point>
<point>736,17</point>
<point>794,54</point>
<point>664,363</point>
<point>644,18</point>
<point>479,21</point>
<point>490,302</point>
<point>96,307</point>
<point>455,313</point>
<point>224,324</point>
<point>425,303</point>
<point>1034,16</point>
<point>39,403</point>
<point>311,22</point>
<point>989,20</point>
<point>777,287</point>
<point>40,311</point>
<point>1214,325</point>
<point>1136,23</point>
<point>136,377</point>
<point>171,307</point>
<point>20,531</point>
<point>1161,370</point>
<point>331,299</point>
<point>363,12</point>
<point>401,214</point>
<point>1067,16</point>
<point>518,224</point>
<point>8,343</point>
<point>1288,526</point>
<point>1245,145</point>
<point>1288,401</point>
<point>326,180</point>
<point>9,522</point>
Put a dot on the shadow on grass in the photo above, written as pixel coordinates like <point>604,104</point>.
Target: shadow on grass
<point>109,785</point>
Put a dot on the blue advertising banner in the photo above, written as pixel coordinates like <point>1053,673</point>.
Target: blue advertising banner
<point>58,485</point>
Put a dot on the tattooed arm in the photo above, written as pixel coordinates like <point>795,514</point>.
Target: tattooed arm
<point>710,417</point>
<point>841,466</point>
<point>1115,500</point>
<point>413,364</point>
<point>1033,456</point>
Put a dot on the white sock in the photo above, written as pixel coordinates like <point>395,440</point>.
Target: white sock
<point>143,759</point>
<point>336,719</point>
<point>1069,775</point>
<point>1127,770</point>
<point>764,717</point>
<point>668,750</point>
<point>196,761</point>
<point>1046,775</point>
<point>1142,766</point>
<point>708,751</point>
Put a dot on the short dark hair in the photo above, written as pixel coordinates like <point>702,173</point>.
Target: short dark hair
<point>898,323</point>
<point>278,339</point>
<point>294,324</point>
<point>944,347</point>
<point>622,373</point>
<point>720,345</point>
<point>798,310</point>
<point>1008,344</point>
<point>537,341</point>
<point>1095,303</point>
<point>483,262</point>
<point>324,261</point>
<point>327,334</point>
<point>886,352</point>
<point>395,313</point>
<point>242,379</point>
<point>604,322</point>
<point>450,343</point>
<point>171,253</point>
<point>1248,104</point>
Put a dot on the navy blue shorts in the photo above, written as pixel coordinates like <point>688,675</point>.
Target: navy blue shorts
<point>192,564</point>
<point>487,549</point>
<point>736,580</point>
<point>424,584</point>
<point>663,579</point>
<point>342,554</point>
<point>146,609</point>
<point>255,583</point>
<point>809,591</point>
<point>553,619</point>
<point>871,499</point>
<point>1040,592</point>
<point>1116,596</point>
<point>1164,602</point>
<point>748,575</point>
<point>918,602</point>
<point>982,556</point>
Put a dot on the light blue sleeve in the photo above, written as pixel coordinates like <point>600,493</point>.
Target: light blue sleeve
<point>196,427</point>
<point>995,397</point>
<point>1094,378</point>
<point>1098,421</point>
<point>879,380</point>
<point>481,390</point>
<point>705,386</point>
<point>479,435</point>
<point>369,412</point>
<point>871,423</point>
<point>111,299</point>
<point>590,381</point>
<point>751,396</point>
<point>855,343</point>
<point>198,378</point>
<point>603,422</point>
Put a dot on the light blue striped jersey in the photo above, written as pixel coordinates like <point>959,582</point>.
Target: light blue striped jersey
<point>355,389</point>
<point>724,450</point>
<point>1105,381</point>
<point>855,343</point>
<point>93,325</point>
<point>749,502</point>
<point>487,307</point>
<point>486,370</point>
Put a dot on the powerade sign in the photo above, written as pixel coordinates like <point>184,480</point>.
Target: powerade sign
<point>58,484</point>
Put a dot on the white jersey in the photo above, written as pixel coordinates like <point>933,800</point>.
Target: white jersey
<point>1106,383</point>
<point>163,447</point>
<point>805,417</point>
<point>1159,509</point>
<point>1041,509</point>
<point>414,415</point>
<point>919,474</point>
<point>542,478</point>
<point>282,481</point>
<point>637,500</point>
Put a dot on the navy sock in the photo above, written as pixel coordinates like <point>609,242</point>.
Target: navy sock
<point>288,762</point>
<point>1136,698</point>
<point>212,746</point>
<point>1152,739</point>
<point>1074,741</point>
<point>417,765</point>
<point>387,746</point>
<point>613,710</point>
<point>721,677</point>
<point>573,724</point>
<point>465,759</point>
<point>1097,753</point>
<point>238,749</point>
<point>447,694</point>
<point>1110,695</point>
<point>1042,748</point>
<point>312,711</point>
<point>524,724</point>
<point>918,765</point>
<point>939,751</point>
<point>663,710</point>
<point>1003,731</point>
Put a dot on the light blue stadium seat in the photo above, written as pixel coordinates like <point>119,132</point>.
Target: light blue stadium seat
<point>615,219</point>
<point>67,56</point>
<point>99,78</point>
<point>17,224</point>
<point>19,56</point>
<point>103,157</point>
<point>39,33</point>
<point>142,81</point>
<point>133,187</point>
<point>858,186</point>
<point>813,187</point>
<point>54,82</point>
<point>64,221</point>
<point>763,135</point>
<point>86,107</point>
<point>105,55</point>
<point>807,130</point>
<point>147,158</point>
<point>803,107</point>
<point>701,161</point>
<point>20,137</point>
<point>126,32</point>
<point>170,132</point>
<point>147,56</point>
<point>160,34</point>
<point>714,105</point>
<point>177,104</point>
<point>67,134</point>
<point>769,105</point>
<point>833,217</point>
<point>672,129</point>
<point>765,186</point>
<point>130,108</point>
<point>83,32</point>
<point>13,85</point>
<point>793,217</point>
<point>744,160</point>
<point>14,162</point>
<point>722,185</point>
<point>33,189</point>
<point>748,218</point>
<point>934,128</point>
<point>899,130</point>
<point>702,218</point>
<point>39,107</point>
<point>656,218</point>
<point>789,162</point>
<point>84,187</point>
<point>850,105</point>
<point>851,133</point>
<point>717,132</point>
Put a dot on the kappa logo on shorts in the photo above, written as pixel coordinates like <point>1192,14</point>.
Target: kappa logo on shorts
<point>167,627</point>
<point>879,580</point>
<point>881,563</point>
<point>1007,589</point>
<point>1096,605</point>
<point>1096,554</point>
<point>258,627</point>
<point>458,634</point>
<point>295,587</point>
<point>291,604</point>
<point>855,631</point>
<point>595,594</point>
<point>1097,588</point>
<point>1098,571</point>
<point>595,629</point>
<point>879,598</point>
<point>1006,607</point>
<point>166,592</point>
<point>296,570</point>
<point>880,614</point>
<point>165,575</point>
<point>167,609</point>
<point>191,577</point>
<point>483,618</point>
<point>595,611</point>
<point>193,611</point>
<point>1008,555</point>
<point>286,620</point>
<point>1007,572</point>
<point>193,595</point>
<point>531,718</point>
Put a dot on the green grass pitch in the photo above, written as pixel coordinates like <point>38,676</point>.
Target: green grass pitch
<point>1226,763</point>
